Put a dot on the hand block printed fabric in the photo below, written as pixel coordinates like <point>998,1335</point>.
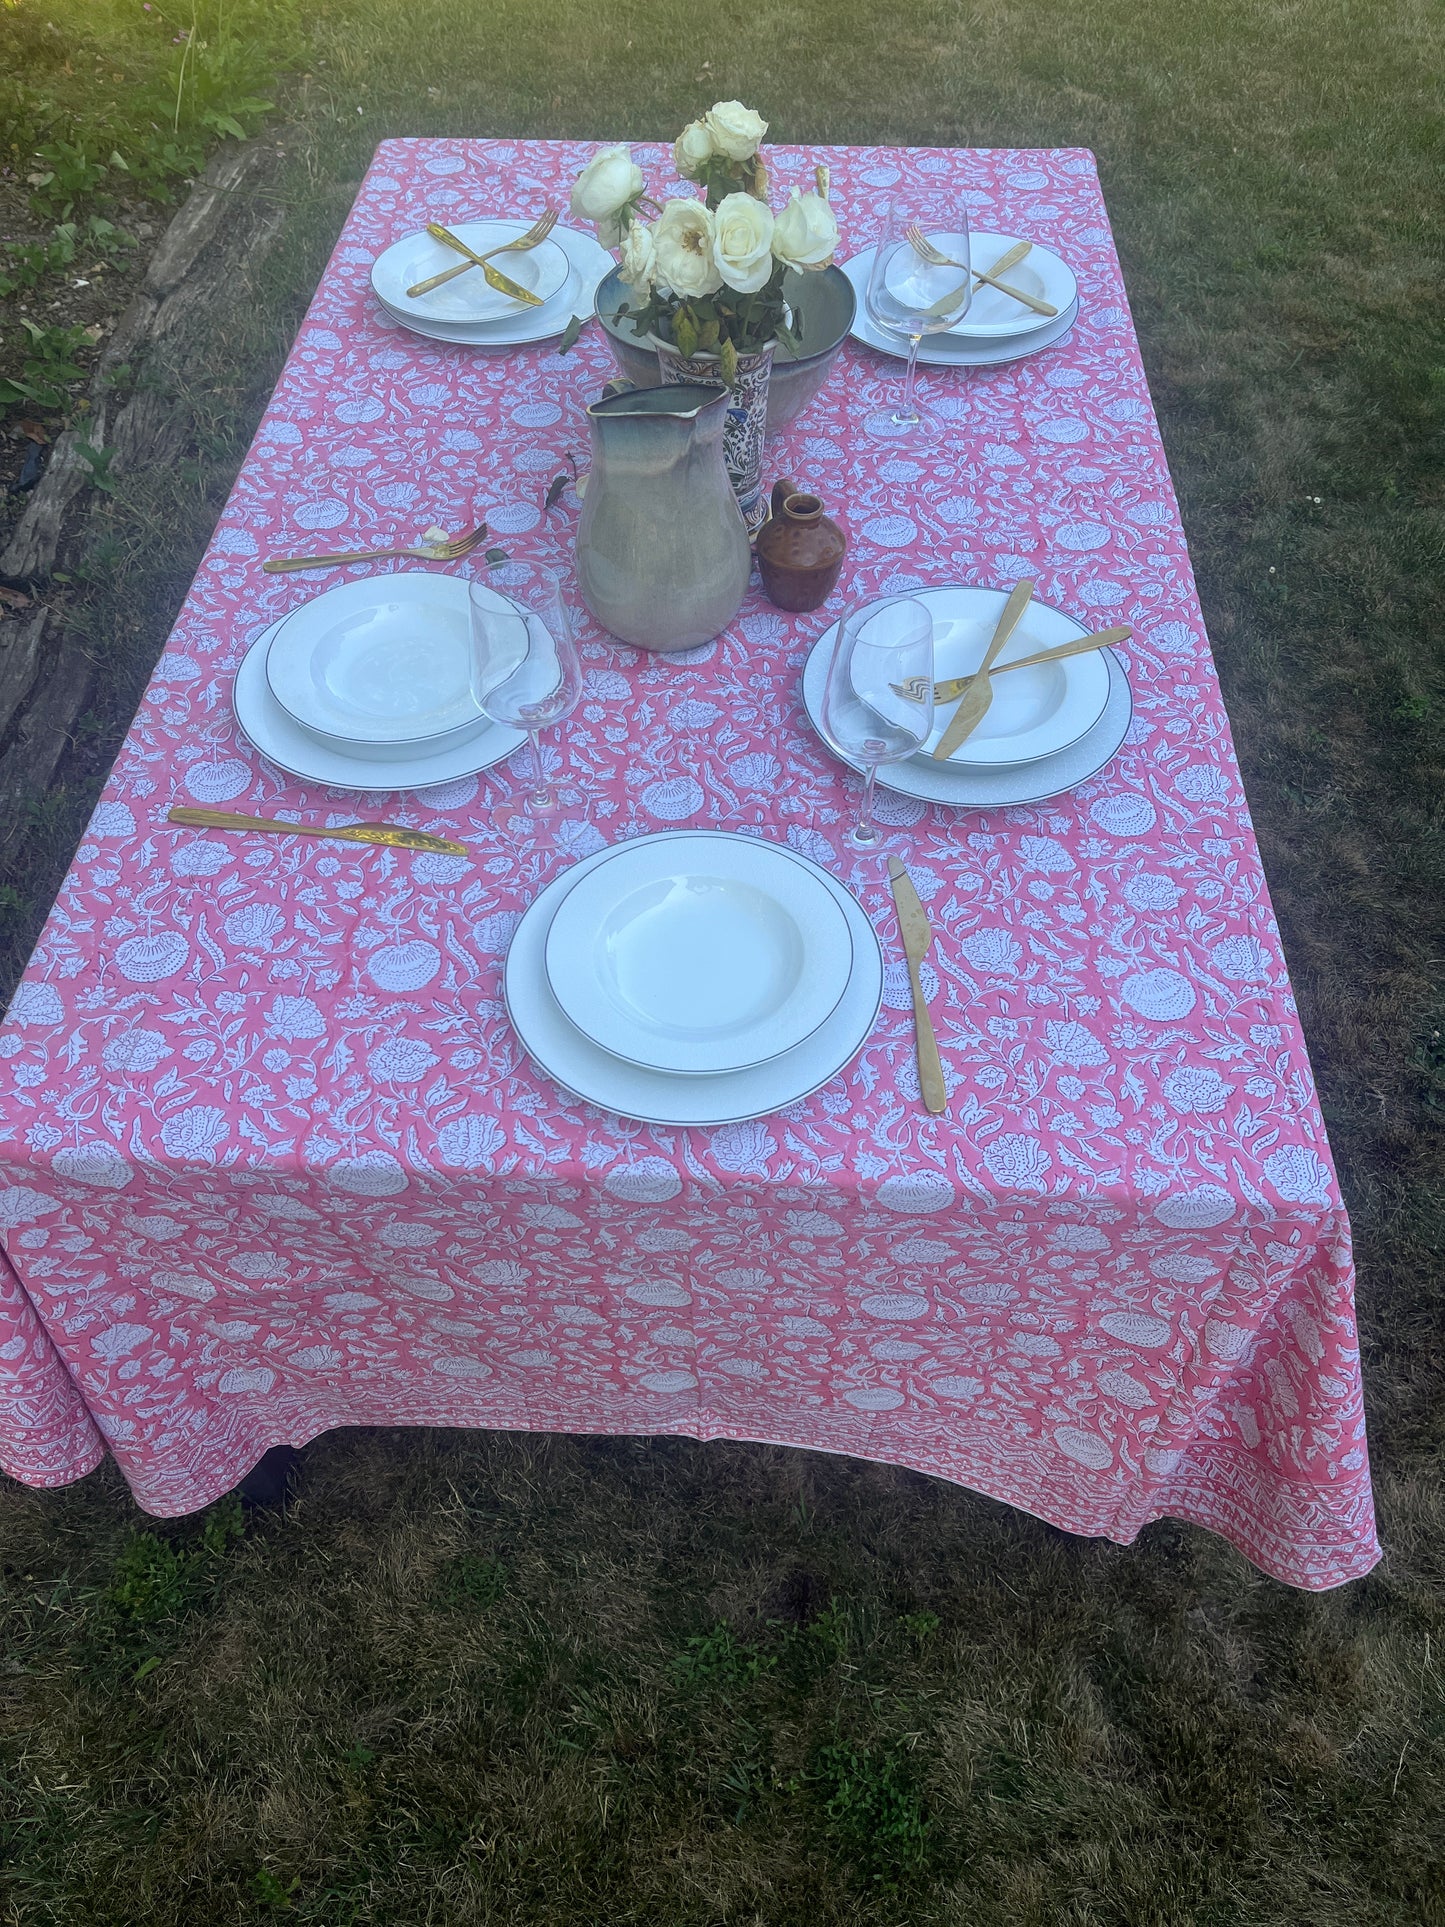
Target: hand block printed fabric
<point>273,1161</point>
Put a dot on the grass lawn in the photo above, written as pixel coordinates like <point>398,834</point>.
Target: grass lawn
<point>473,1678</point>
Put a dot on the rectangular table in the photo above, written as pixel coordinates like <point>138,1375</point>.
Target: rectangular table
<point>273,1161</point>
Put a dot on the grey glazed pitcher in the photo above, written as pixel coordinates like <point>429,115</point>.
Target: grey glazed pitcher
<point>662,550</point>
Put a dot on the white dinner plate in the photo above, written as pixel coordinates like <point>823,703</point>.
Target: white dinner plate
<point>1035,712</point>
<point>381,663</point>
<point>658,1097</point>
<point>971,786</point>
<point>283,741</point>
<point>699,953</point>
<point>470,298</point>
<point>589,264</point>
<point>992,316</point>
<point>951,350</point>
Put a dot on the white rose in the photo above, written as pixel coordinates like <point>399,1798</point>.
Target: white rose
<point>736,130</point>
<point>742,242</point>
<point>639,257</point>
<point>606,185</point>
<point>692,150</point>
<point>683,241</point>
<point>805,234</point>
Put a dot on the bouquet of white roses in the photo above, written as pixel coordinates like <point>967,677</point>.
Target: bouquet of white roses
<point>709,273</point>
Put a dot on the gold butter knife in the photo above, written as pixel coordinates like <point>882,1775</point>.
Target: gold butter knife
<point>978,690</point>
<point>391,834</point>
<point>945,692</point>
<point>917,935</point>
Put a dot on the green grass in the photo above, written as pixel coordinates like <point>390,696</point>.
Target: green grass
<point>495,1679</point>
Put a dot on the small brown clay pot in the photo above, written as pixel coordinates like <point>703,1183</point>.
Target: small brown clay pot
<point>800,550</point>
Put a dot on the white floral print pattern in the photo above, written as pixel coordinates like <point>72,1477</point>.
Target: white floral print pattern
<point>271,1159</point>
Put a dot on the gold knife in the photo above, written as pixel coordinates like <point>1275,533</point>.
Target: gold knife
<point>978,690</point>
<point>917,935</point>
<point>493,276</point>
<point>952,686</point>
<point>391,834</point>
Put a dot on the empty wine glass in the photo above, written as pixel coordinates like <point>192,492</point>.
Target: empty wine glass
<point>920,284</point>
<point>525,668</point>
<point>883,645</point>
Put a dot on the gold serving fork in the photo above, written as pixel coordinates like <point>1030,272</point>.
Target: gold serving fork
<point>922,246</point>
<point>915,690</point>
<point>390,834</point>
<point>523,244</point>
<point>450,551</point>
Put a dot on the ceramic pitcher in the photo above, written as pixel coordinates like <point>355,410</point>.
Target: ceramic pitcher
<point>662,551</point>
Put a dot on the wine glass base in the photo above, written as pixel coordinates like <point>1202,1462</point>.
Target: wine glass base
<point>523,822</point>
<point>893,425</point>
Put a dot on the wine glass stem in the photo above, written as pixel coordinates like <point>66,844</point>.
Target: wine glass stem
<point>910,407</point>
<point>865,831</point>
<point>541,795</point>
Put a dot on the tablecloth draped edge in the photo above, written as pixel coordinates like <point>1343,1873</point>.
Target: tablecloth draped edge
<point>272,1430</point>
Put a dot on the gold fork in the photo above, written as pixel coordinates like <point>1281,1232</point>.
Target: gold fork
<point>449,551</point>
<point>921,245</point>
<point>523,244</point>
<point>915,690</point>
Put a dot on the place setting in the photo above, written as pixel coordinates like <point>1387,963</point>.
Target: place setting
<point>490,283</point>
<point>694,978</point>
<point>966,697</point>
<point>933,290</point>
<point>395,682</point>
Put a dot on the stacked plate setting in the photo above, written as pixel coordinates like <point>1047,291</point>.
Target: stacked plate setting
<point>694,977</point>
<point>1047,729</point>
<point>368,687</point>
<point>995,328</point>
<point>563,272</point>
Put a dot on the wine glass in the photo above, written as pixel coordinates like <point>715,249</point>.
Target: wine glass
<point>525,669</point>
<point>920,283</point>
<point>882,646</point>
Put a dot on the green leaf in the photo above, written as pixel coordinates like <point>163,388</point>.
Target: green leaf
<point>728,363</point>
<point>495,557</point>
<point>98,461</point>
<point>146,1666</point>
<point>571,332</point>
<point>554,491</point>
<point>684,333</point>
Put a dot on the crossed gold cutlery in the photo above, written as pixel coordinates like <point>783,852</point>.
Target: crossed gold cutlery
<point>450,551</point>
<point>915,689</point>
<point>924,247</point>
<point>917,934</point>
<point>533,237</point>
<point>390,834</point>
<point>978,689</point>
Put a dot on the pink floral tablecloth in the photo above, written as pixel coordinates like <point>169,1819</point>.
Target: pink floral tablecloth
<point>274,1161</point>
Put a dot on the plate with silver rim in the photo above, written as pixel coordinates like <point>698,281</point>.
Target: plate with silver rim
<point>994,316</point>
<point>1037,709</point>
<point>294,749</point>
<point>468,299</point>
<point>594,1075</point>
<point>950,349</point>
<point>381,664</point>
<point>703,954</point>
<point>588,263</point>
<point>971,787</point>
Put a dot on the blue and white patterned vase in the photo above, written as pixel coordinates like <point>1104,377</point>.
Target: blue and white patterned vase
<point>747,419</point>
